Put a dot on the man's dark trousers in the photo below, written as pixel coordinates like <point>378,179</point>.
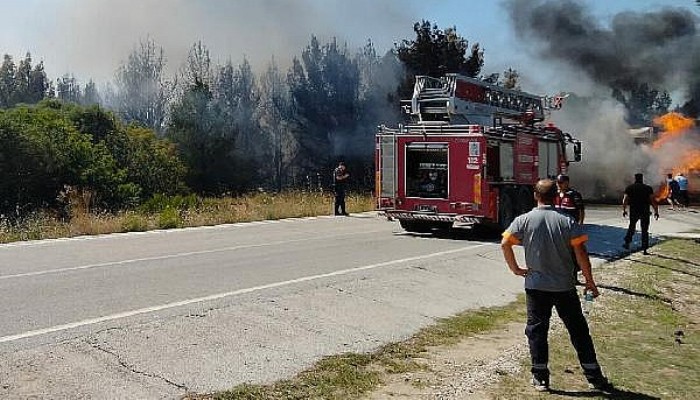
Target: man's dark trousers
<point>644,219</point>
<point>539,312</point>
<point>340,201</point>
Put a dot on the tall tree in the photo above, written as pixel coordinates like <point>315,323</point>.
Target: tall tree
<point>197,69</point>
<point>68,89</point>
<point>643,103</point>
<point>324,89</point>
<point>435,52</point>
<point>274,115</point>
<point>201,135</point>
<point>91,96</point>
<point>237,96</point>
<point>7,82</point>
<point>143,92</point>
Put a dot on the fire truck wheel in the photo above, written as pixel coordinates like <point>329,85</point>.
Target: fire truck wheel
<point>506,209</point>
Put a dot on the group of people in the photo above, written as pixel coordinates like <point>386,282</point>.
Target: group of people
<point>677,191</point>
<point>554,241</point>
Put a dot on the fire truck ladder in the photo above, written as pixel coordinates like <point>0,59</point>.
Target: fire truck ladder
<point>459,98</point>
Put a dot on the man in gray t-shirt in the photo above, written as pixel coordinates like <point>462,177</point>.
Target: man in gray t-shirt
<point>549,237</point>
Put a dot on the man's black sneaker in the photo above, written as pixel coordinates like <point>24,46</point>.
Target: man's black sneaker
<point>541,385</point>
<point>601,384</point>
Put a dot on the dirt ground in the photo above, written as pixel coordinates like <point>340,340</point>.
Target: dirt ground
<point>462,370</point>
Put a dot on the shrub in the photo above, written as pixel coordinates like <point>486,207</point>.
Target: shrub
<point>169,218</point>
<point>134,223</point>
<point>160,202</point>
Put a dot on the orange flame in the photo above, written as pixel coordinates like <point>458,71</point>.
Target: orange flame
<point>673,125</point>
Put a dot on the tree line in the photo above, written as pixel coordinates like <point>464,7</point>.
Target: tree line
<point>211,129</point>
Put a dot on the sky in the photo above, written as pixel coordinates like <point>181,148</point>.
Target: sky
<point>91,38</point>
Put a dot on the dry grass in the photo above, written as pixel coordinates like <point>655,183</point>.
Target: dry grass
<point>207,211</point>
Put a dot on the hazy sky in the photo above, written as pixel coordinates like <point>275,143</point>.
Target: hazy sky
<point>90,38</point>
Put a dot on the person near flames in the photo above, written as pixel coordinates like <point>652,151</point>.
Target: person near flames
<point>340,180</point>
<point>639,197</point>
<point>551,241</point>
<point>682,190</point>
<point>569,200</point>
<point>673,191</point>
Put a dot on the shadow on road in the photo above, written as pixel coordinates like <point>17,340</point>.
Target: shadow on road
<point>655,265</point>
<point>629,292</point>
<point>468,234</point>
<point>616,394</point>
<point>683,260</point>
<point>603,241</point>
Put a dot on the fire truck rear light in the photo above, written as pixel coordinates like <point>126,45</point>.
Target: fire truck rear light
<point>386,202</point>
<point>462,206</point>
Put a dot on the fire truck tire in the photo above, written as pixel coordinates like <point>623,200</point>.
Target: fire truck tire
<point>507,210</point>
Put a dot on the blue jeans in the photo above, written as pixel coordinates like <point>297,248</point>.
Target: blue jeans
<point>539,312</point>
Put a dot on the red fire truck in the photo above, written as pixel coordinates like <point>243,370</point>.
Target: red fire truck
<point>470,156</point>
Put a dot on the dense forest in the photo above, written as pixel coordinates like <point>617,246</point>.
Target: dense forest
<point>210,129</point>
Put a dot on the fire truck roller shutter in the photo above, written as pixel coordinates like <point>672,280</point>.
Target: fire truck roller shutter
<point>526,199</point>
<point>507,210</point>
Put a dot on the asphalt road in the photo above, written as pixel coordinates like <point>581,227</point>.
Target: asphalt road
<point>154,315</point>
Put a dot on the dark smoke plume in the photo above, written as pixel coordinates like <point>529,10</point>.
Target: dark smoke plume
<point>660,49</point>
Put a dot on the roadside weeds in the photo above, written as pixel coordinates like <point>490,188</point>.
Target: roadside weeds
<point>645,327</point>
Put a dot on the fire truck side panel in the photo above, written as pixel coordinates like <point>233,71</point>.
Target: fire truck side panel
<point>549,159</point>
<point>526,153</point>
<point>385,171</point>
<point>467,183</point>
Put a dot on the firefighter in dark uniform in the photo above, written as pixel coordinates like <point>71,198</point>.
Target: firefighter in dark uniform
<point>568,200</point>
<point>639,197</point>
<point>340,178</point>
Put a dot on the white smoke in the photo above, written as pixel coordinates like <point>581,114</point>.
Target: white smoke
<point>610,155</point>
<point>91,38</point>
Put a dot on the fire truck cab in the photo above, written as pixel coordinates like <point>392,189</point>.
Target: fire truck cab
<point>470,156</point>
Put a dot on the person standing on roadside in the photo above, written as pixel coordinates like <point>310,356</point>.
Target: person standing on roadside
<point>340,179</point>
<point>683,190</point>
<point>569,200</point>
<point>639,197</point>
<point>552,240</point>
